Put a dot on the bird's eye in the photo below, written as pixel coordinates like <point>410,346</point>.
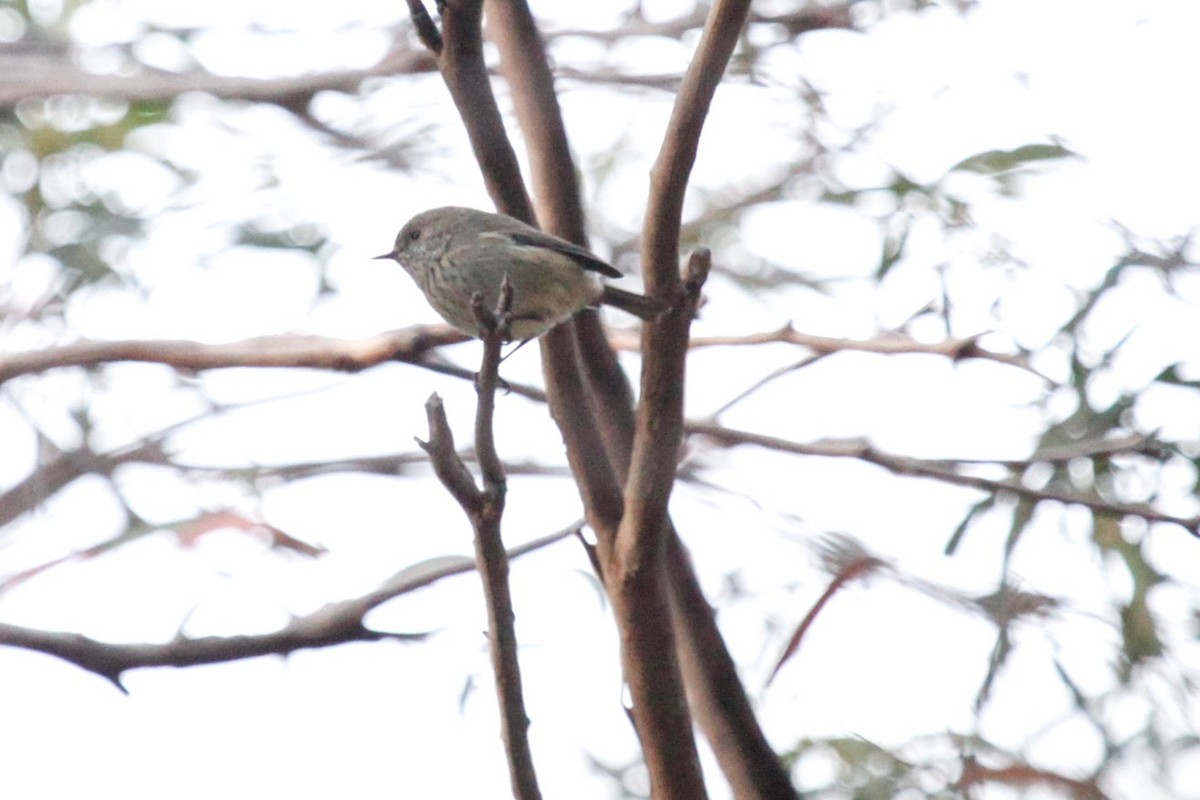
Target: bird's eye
<point>414,234</point>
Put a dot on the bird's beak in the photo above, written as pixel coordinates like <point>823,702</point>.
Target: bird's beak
<point>391,255</point>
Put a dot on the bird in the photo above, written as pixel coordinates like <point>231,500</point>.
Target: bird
<point>453,252</point>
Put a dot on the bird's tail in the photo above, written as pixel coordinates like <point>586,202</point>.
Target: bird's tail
<point>648,308</point>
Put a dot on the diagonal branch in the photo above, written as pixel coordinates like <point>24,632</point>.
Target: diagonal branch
<point>331,625</point>
<point>571,354</point>
<point>466,75</point>
<point>336,623</point>
<point>940,470</point>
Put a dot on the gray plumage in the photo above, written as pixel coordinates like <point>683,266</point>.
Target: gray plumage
<point>453,252</point>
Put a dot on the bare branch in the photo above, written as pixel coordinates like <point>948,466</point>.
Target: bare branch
<point>524,65</point>
<point>44,77</point>
<point>450,469</point>
<point>26,75</point>
<point>595,413</point>
<point>715,689</point>
<point>318,352</point>
<point>943,471</point>
<point>495,327</point>
<point>660,414</point>
<point>59,471</point>
<point>322,629</point>
<point>802,20</point>
<point>427,30</point>
<point>461,62</point>
<point>414,343</point>
<point>336,623</point>
<point>638,584</point>
<point>885,344</point>
<point>485,508</point>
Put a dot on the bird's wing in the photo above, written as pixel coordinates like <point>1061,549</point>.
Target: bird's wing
<point>577,254</point>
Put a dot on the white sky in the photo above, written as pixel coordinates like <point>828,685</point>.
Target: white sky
<point>384,720</point>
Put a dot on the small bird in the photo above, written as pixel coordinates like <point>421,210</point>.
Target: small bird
<point>453,252</point>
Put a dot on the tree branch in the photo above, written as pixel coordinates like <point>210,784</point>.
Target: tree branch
<point>485,509</point>
<point>414,343</point>
<point>318,352</point>
<point>45,77</point>
<point>940,470</point>
<point>638,582</point>
<point>336,623</point>
<point>38,75</point>
<point>570,349</point>
<point>466,75</point>
<point>664,343</point>
<point>960,349</point>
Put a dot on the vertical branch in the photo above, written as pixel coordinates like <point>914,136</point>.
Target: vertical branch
<point>673,167</point>
<point>643,619</point>
<point>556,189</point>
<point>638,585</point>
<point>648,657</point>
<point>460,59</point>
<point>605,392</point>
<point>553,175</point>
<point>462,65</point>
<point>713,686</point>
<point>485,508</point>
<point>664,343</point>
<point>605,389</point>
<point>495,328</point>
<point>639,581</point>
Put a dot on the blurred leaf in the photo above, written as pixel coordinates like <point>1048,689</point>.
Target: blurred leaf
<point>994,162</point>
<point>1139,636</point>
<point>147,112</point>
<point>960,531</point>
<point>903,185</point>
<point>1106,532</point>
<point>191,531</point>
<point>1022,514</point>
<point>1170,376</point>
<point>999,655</point>
<point>843,198</point>
<point>846,559</point>
<point>1078,696</point>
<point>287,239</point>
<point>893,251</point>
<point>430,569</point>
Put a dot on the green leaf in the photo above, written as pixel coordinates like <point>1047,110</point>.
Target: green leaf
<point>892,251</point>
<point>994,162</point>
<point>977,509</point>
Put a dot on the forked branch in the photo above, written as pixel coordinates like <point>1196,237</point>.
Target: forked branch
<point>485,508</point>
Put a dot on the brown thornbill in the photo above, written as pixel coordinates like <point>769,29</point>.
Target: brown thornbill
<point>453,252</point>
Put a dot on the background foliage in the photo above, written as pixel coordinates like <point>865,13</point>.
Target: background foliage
<point>946,377</point>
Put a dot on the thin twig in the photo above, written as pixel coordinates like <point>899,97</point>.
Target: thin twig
<point>961,349</point>
<point>943,471</point>
<point>485,509</point>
